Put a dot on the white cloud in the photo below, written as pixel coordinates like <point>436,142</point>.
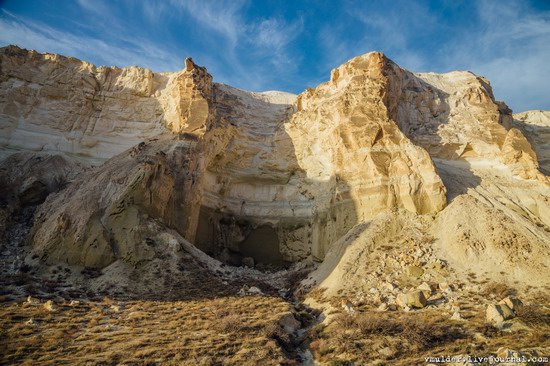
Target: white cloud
<point>94,6</point>
<point>243,50</point>
<point>511,47</point>
<point>271,38</point>
<point>221,16</point>
<point>43,38</point>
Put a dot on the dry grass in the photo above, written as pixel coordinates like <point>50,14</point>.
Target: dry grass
<point>498,290</point>
<point>407,338</point>
<point>228,331</point>
<point>534,315</point>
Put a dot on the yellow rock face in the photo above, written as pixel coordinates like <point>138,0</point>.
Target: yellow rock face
<point>535,125</point>
<point>60,104</point>
<point>272,176</point>
<point>354,155</point>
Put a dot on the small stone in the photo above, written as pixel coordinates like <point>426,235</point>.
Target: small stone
<point>437,266</point>
<point>253,290</point>
<point>50,305</point>
<point>383,307</point>
<point>445,287</point>
<point>378,299</point>
<point>412,299</point>
<point>438,299</point>
<point>347,306</point>
<point>497,313</point>
<point>512,302</point>
<point>386,351</point>
<point>456,316</point>
<point>414,271</point>
<point>248,262</point>
<point>33,301</point>
<point>115,308</point>
<point>388,286</point>
<point>426,289</point>
<point>289,323</point>
<point>243,291</point>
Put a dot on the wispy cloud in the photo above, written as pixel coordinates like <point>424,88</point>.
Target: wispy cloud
<point>271,38</point>
<point>384,27</point>
<point>41,37</point>
<point>222,16</point>
<point>510,47</point>
<point>94,6</point>
<point>243,50</point>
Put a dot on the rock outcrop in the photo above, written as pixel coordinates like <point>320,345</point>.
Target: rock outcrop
<point>54,103</point>
<point>26,179</point>
<point>114,211</point>
<point>298,180</point>
<point>455,116</point>
<point>535,126</point>
<point>354,153</point>
<point>271,177</point>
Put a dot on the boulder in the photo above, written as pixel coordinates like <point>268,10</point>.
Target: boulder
<point>415,299</point>
<point>253,290</point>
<point>497,313</point>
<point>249,291</point>
<point>513,303</point>
<point>248,262</point>
<point>289,323</point>
<point>426,289</point>
<point>457,316</point>
<point>414,271</point>
<point>445,287</point>
<point>347,306</point>
<point>436,266</point>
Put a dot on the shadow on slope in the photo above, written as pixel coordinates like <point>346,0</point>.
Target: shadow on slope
<point>539,138</point>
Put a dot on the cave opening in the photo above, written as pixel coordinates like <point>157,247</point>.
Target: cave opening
<point>234,240</point>
<point>262,244</point>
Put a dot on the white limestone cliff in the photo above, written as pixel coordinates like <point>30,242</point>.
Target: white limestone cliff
<point>271,175</point>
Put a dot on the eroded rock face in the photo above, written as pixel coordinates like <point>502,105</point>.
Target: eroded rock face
<point>535,125</point>
<point>355,158</point>
<point>268,176</point>
<point>113,211</point>
<point>455,116</point>
<point>296,178</point>
<point>61,104</point>
<point>27,178</point>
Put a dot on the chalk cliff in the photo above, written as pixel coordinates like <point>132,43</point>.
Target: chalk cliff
<point>54,103</point>
<point>271,175</point>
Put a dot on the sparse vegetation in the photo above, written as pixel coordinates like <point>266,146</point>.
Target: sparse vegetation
<point>499,290</point>
<point>226,330</point>
<point>399,338</point>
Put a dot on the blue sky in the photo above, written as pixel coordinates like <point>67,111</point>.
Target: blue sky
<point>293,45</point>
